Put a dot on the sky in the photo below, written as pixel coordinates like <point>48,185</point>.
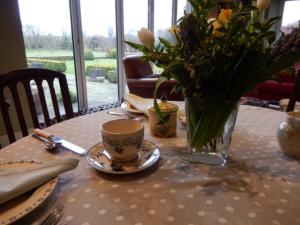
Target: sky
<point>98,16</point>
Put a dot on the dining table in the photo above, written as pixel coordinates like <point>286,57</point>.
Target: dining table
<point>259,185</point>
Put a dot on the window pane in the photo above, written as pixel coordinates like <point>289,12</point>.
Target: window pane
<point>48,40</point>
<point>162,19</point>
<point>291,16</point>
<point>99,36</point>
<point>181,6</point>
<point>135,17</point>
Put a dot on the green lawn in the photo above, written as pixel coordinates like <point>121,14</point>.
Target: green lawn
<point>56,52</point>
<point>97,62</point>
<point>105,62</point>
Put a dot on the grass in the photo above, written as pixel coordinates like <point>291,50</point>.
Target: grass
<point>56,52</point>
<point>97,62</point>
<point>70,63</point>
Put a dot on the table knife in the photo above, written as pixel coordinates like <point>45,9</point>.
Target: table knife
<point>59,141</point>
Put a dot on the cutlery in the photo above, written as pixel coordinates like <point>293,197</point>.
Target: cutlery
<point>54,216</point>
<point>49,145</point>
<point>120,114</point>
<point>130,116</point>
<point>58,141</point>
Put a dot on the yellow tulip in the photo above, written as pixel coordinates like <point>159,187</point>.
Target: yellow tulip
<point>174,29</point>
<point>225,15</point>
<point>146,37</point>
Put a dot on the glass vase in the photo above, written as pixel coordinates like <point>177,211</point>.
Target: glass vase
<point>210,124</point>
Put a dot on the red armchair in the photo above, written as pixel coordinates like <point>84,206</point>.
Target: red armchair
<point>141,80</point>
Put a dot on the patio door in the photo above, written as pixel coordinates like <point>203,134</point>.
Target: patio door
<point>100,52</point>
<point>85,40</point>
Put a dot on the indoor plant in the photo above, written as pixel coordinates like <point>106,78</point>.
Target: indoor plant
<point>215,61</point>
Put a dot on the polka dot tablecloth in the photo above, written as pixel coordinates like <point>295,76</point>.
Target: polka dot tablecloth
<point>259,186</point>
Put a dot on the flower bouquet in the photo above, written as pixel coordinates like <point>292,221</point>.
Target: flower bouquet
<point>215,61</point>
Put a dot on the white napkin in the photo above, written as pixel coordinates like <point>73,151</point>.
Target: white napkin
<point>15,182</point>
<point>141,104</point>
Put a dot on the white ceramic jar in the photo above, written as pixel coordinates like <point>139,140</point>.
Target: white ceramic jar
<point>165,128</point>
<point>288,135</point>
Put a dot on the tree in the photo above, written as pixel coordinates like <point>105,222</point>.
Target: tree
<point>65,41</point>
<point>32,37</point>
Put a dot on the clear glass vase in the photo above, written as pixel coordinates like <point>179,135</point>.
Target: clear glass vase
<point>209,128</point>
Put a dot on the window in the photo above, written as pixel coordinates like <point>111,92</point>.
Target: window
<point>135,17</point>
<point>100,53</point>
<point>91,63</point>
<point>162,19</point>
<point>291,16</point>
<point>48,40</point>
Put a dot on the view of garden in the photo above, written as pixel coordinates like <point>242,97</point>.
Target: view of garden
<point>49,43</point>
<point>56,53</point>
<point>100,71</point>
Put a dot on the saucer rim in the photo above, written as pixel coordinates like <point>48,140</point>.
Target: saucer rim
<point>111,171</point>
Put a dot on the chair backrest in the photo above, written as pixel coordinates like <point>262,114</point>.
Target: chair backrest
<point>136,67</point>
<point>12,80</point>
<point>296,91</point>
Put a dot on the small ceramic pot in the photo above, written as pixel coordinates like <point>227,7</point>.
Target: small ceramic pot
<point>123,139</point>
<point>166,128</point>
<point>288,135</point>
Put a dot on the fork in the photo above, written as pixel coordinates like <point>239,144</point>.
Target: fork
<point>54,216</point>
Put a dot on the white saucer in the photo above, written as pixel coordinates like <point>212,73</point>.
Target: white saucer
<point>129,108</point>
<point>148,157</point>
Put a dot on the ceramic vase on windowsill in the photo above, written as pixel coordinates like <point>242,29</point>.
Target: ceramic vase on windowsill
<point>210,124</point>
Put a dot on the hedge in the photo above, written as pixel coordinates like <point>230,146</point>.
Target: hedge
<point>73,96</point>
<point>112,76</point>
<point>55,65</point>
<point>104,68</point>
<point>112,53</point>
<point>88,55</point>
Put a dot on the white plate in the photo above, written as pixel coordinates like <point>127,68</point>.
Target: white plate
<point>148,157</point>
<point>18,207</point>
<point>129,108</point>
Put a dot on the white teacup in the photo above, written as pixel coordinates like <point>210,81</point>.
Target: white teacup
<point>123,139</point>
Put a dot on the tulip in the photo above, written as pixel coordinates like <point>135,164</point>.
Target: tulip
<point>262,5</point>
<point>146,37</point>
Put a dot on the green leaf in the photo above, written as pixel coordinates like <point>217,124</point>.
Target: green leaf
<point>136,46</point>
<point>270,22</point>
<point>166,43</point>
<point>156,107</point>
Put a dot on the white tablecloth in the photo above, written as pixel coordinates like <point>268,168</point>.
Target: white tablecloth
<point>259,186</point>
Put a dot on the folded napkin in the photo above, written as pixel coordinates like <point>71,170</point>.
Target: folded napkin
<point>141,104</point>
<point>15,182</point>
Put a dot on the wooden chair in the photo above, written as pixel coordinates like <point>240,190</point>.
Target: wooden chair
<point>25,77</point>
<point>296,91</point>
